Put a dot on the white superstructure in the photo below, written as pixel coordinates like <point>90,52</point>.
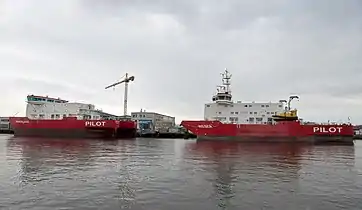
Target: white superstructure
<point>39,107</point>
<point>224,109</point>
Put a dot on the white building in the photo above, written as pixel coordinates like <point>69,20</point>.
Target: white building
<point>40,107</point>
<point>224,109</point>
<point>153,121</point>
<point>4,124</point>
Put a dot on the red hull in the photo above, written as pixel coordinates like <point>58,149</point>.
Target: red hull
<point>289,131</point>
<point>73,128</point>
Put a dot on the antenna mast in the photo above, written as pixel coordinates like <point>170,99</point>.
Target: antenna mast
<point>226,76</point>
<point>126,80</point>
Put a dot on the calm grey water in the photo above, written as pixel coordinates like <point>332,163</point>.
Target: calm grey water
<point>176,174</point>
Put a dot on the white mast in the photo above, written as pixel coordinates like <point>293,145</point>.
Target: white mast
<point>223,94</point>
<point>125,81</point>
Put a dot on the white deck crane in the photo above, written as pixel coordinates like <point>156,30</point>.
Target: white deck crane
<point>126,80</point>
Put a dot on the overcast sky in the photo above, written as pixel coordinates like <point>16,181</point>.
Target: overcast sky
<point>176,50</point>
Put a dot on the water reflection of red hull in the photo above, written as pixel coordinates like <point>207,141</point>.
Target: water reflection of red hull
<point>280,160</point>
<point>242,148</point>
<point>280,152</point>
<point>47,141</point>
<point>37,146</point>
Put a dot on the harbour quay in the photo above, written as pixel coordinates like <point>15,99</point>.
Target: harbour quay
<point>5,125</point>
<point>157,125</point>
<point>357,132</point>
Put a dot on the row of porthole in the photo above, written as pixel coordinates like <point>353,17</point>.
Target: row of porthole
<point>249,112</point>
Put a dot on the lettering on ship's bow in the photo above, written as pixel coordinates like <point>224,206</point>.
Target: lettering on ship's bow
<point>327,130</point>
<point>95,124</point>
<point>204,126</point>
<point>22,121</point>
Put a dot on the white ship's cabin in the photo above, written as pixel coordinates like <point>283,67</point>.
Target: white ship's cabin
<point>222,98</point>
<point>40,107</point>
<point>42,99</point>
<point>224,109</point>
<point>243,113</point>
<point>43,107</point>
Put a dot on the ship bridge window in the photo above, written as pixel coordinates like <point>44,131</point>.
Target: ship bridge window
<point>207,105</point>
<point>267,105</point>
<point>262,105</point>
<point>34,99</point>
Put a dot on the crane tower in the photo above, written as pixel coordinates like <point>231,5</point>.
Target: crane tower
<point>126,80</point>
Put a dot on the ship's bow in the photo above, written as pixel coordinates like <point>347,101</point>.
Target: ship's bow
<point>202,127</point>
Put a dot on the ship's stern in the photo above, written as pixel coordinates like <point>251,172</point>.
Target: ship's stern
<point>126,129</point>
<point>332,134</point>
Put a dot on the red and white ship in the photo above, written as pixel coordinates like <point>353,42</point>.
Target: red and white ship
<point>54,117</point>
<point>256,122</point>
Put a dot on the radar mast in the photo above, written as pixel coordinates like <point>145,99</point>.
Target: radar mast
<point>223,92</point>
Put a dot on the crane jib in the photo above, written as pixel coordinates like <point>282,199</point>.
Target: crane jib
<point>126,80</point>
